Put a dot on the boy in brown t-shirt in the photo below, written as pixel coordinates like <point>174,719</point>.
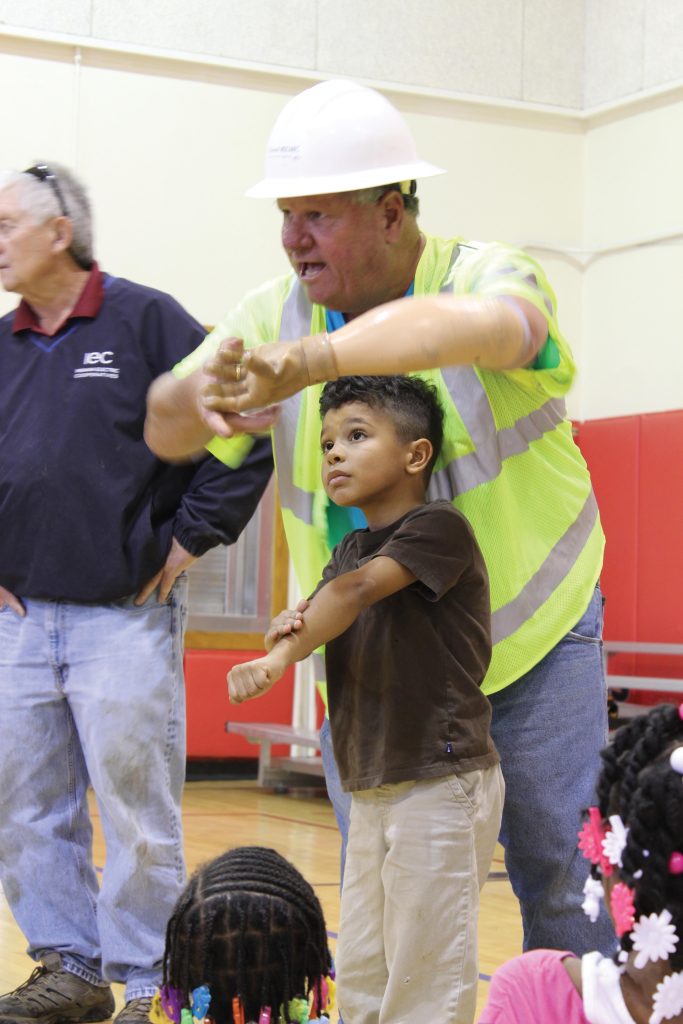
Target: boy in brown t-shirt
<point>404,610</point>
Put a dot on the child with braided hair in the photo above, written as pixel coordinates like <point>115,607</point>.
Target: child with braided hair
<point>634,841</point>
<point>246,943</point>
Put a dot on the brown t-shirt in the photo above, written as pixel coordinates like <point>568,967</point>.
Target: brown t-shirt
<point>404,680</point>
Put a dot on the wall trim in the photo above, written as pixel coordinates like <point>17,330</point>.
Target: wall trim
<point>90,52</point>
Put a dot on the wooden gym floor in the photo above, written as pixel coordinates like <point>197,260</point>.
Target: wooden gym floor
<point>219,815</point>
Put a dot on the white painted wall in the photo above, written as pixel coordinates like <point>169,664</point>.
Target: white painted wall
<point>632,353</point>
<point>169,150</point>
<point>168,146</point>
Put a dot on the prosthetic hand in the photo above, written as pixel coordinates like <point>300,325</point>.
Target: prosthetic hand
<point>420,333</point>
<point>266,374</point>
<point>220,376</point>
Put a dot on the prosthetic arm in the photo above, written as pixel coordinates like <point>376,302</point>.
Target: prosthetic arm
<point>422,333</point>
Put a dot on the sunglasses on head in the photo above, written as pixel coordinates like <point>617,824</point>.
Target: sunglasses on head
<point>43,173</point>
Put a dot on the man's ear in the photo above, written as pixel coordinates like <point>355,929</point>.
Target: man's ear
<point>419,455</point>
<point>393,213</point>
<point>63,234</point>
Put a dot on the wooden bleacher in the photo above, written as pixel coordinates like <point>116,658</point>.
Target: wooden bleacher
<point>294,771</point>
<point>655,683</point>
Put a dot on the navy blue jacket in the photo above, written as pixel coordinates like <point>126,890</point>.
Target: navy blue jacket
<point>87,512</point>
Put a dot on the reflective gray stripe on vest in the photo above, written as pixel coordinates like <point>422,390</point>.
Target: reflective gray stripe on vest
<point>510,617</point>
<point>295,323</point>
<point>319,667</point>
<point>491,446</point>
<point>296,314</point>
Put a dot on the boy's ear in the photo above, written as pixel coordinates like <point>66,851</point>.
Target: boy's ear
<point>419,455</point>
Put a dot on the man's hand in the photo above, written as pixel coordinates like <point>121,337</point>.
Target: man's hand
<point>8,600</point>
<point>286,622</point>
<point>224,379</point>
<point>177,561</point>
<point>254,678</point>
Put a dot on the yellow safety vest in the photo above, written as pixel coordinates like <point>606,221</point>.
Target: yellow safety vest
<point>508,461</point>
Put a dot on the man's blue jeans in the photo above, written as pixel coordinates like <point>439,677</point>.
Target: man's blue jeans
<point>549,727</point>
<point>341,801</point>
<point>93,693</point>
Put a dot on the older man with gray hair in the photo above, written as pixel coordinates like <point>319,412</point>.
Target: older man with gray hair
<point>95,535</point>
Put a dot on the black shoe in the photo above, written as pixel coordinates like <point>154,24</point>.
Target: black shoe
<point>136,1011</point>
<point>52,994</point>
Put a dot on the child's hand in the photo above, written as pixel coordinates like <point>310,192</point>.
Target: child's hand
<point>286,622</point>
<point>252,679</point>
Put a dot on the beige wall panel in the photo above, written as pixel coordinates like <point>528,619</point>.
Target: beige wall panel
<point>444,45</point>
<point>552,64</point>
<point>634,347</point>
<point>634,170</point>
<point>168,161</point>
<point>270,31</point>
<point>511,183</point>
<point>614,49</point>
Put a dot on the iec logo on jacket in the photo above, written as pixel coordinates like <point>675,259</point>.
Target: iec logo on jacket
<point>97,364</point>
<point>87,512</point>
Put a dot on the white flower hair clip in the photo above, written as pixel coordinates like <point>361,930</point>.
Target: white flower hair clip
<point>593,892</point>
<point>676,760</point>
<point>653,938</point>
<point>614,843</point>
<point>668,1000</point>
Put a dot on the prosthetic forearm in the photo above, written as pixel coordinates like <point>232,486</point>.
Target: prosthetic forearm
<point>421,334</point>
<point>409,334</point>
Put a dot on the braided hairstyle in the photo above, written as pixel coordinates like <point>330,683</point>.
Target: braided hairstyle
<point>249,925</point>
<point>638,783</point>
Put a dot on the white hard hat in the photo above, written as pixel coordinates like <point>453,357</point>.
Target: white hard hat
<point>335,137</point>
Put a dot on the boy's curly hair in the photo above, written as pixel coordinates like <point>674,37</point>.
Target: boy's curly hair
<point>411,402</point>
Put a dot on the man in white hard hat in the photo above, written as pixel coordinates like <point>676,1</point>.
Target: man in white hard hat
<point>372,294</point>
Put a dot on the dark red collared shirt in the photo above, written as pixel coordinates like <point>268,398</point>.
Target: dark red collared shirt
<point>87,306</point>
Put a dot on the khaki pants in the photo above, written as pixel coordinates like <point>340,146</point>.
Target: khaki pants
<point>418,854</point>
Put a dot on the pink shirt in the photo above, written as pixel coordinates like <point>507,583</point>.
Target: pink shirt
<point>533,988</point>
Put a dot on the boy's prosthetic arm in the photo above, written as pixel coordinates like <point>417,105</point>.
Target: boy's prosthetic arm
<point>424,333</point>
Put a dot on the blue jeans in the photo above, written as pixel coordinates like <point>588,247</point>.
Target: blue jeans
<point>341,801</point>
<point>93,694</point>
<point>549,727</point>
